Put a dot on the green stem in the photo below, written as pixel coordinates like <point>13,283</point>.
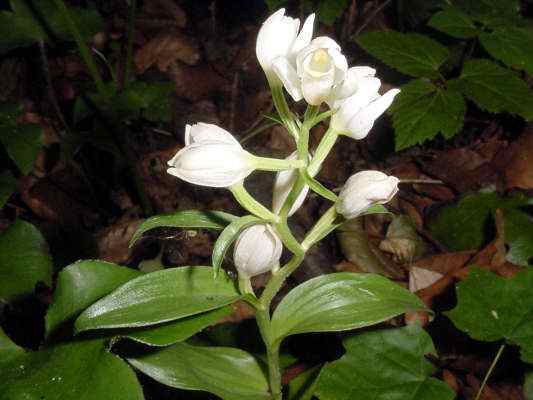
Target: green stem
<point>262,317</point>
<point>287,237</point>
<point>275,164</point>
<point>489,372</point>
<point>84,49</point>
<point>129,49</point>
<point>250,204</point>
<point>323,226</point>
<point>322,151</point>
<point>283,110</point>
<point>276,281</point>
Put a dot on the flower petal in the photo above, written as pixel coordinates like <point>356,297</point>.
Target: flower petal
<point>202,132</point>
<point>286,73</point>
<point>305,35</point>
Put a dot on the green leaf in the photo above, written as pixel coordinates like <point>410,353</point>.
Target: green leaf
<point>229,373</point>
<point>511,45</point>
<point>185,219</point>
<point>423,110</point>
<point>22,141</point>
<point>7,186</point>
<point>519,237</point>
<point>8,349</point>
<point>409,53</point>
<point>177,331</point>
<point>494,88</point>
<point>274,4</point>
<point>467,224</point>
<point>386,364</point>
<point>454,22</point>
<point>24,260</point>
<point>158,297</point>
<point>528,386</point>
<point>330,10</point>
<point>340,301</point>
<point>24,26</point>
<point>492,12</point>
<point>80,284</point>
<point>228,236</point>
<point>82,370</point>
<point>491,308</point>
<point>318,188</point>
<point>303,386</point>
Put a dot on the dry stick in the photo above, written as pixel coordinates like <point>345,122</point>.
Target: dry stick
<point>372,16</point>
<point>489,372</point>
<point>422,181</point>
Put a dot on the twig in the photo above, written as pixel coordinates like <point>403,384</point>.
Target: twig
<point>489,372</point>
<point>372,15</point>
<point>422,181</point>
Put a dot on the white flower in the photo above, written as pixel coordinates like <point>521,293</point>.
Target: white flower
<point>282,187</point>
<point>257,250</point>
<point>356,114</point>
<point>363,190</point>
<point>318,74</point>
<point>278,37</point>
<point>212,157</point>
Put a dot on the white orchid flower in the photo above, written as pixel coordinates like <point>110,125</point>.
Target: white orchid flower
<point>283,184</point>
<point>363,190</point>
<point>356,114</point>
<point>212,157</point>
<point>279,37</point>
<point>257,250</point>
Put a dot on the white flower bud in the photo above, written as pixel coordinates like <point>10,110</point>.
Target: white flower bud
<point>282,187</point>
<point>356,114</point>
<point>278,37</point>
<point>211,157</point>
<point>363,190</point>
<point>257,250</point>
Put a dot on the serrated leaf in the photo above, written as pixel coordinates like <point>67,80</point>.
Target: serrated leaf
<point>454,22</point>
<point>493,13</point>
<point>468,224</point>
<point>185,219</point>
<point>518,229</point>
<point>22,141</point>
<point>82,370</point>
<point>494,88</point>
<point>177,331</point>
<point>229,373</point>
<point>81,284</point>
<point>330,10</point>
<point>409,53</point>
<point>340,301</point>
<point>24,260</point>
<point>386,364</point>
<point>422,110</point>
<point>159,297</point>
<point>491,308</point>
<point>8,185</point>
<point>228,236</point>
<point>511,45</point>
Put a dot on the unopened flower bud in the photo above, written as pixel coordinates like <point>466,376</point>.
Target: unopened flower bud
<point>363,190</point>
<point>257,250</point>
<point>211,157</point>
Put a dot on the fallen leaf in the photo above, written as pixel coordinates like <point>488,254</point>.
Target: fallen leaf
<point>420,278</point>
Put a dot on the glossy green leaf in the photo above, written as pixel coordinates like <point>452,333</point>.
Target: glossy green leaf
<point>228,236</point>
<point>386,364</point>
<point>81,284</point>
<point>422,110</point>
<point>184,219</point>
<point>454,22</point>
<point>402,51</point>
<point>24,260</point>
<point>82,370</point>
<point>518,230</point>
<point>8,350</point>
<point>528,386</point>
<point>177,331</point>
<point>21,141</point>
<point>468,224</point>
<point>341,301</point>
<point>511,45</point>
<point>491,308</point>
<point>231,374</point>
<point>7,186</point>
<point>494,88</point>
<point>158,297</point>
